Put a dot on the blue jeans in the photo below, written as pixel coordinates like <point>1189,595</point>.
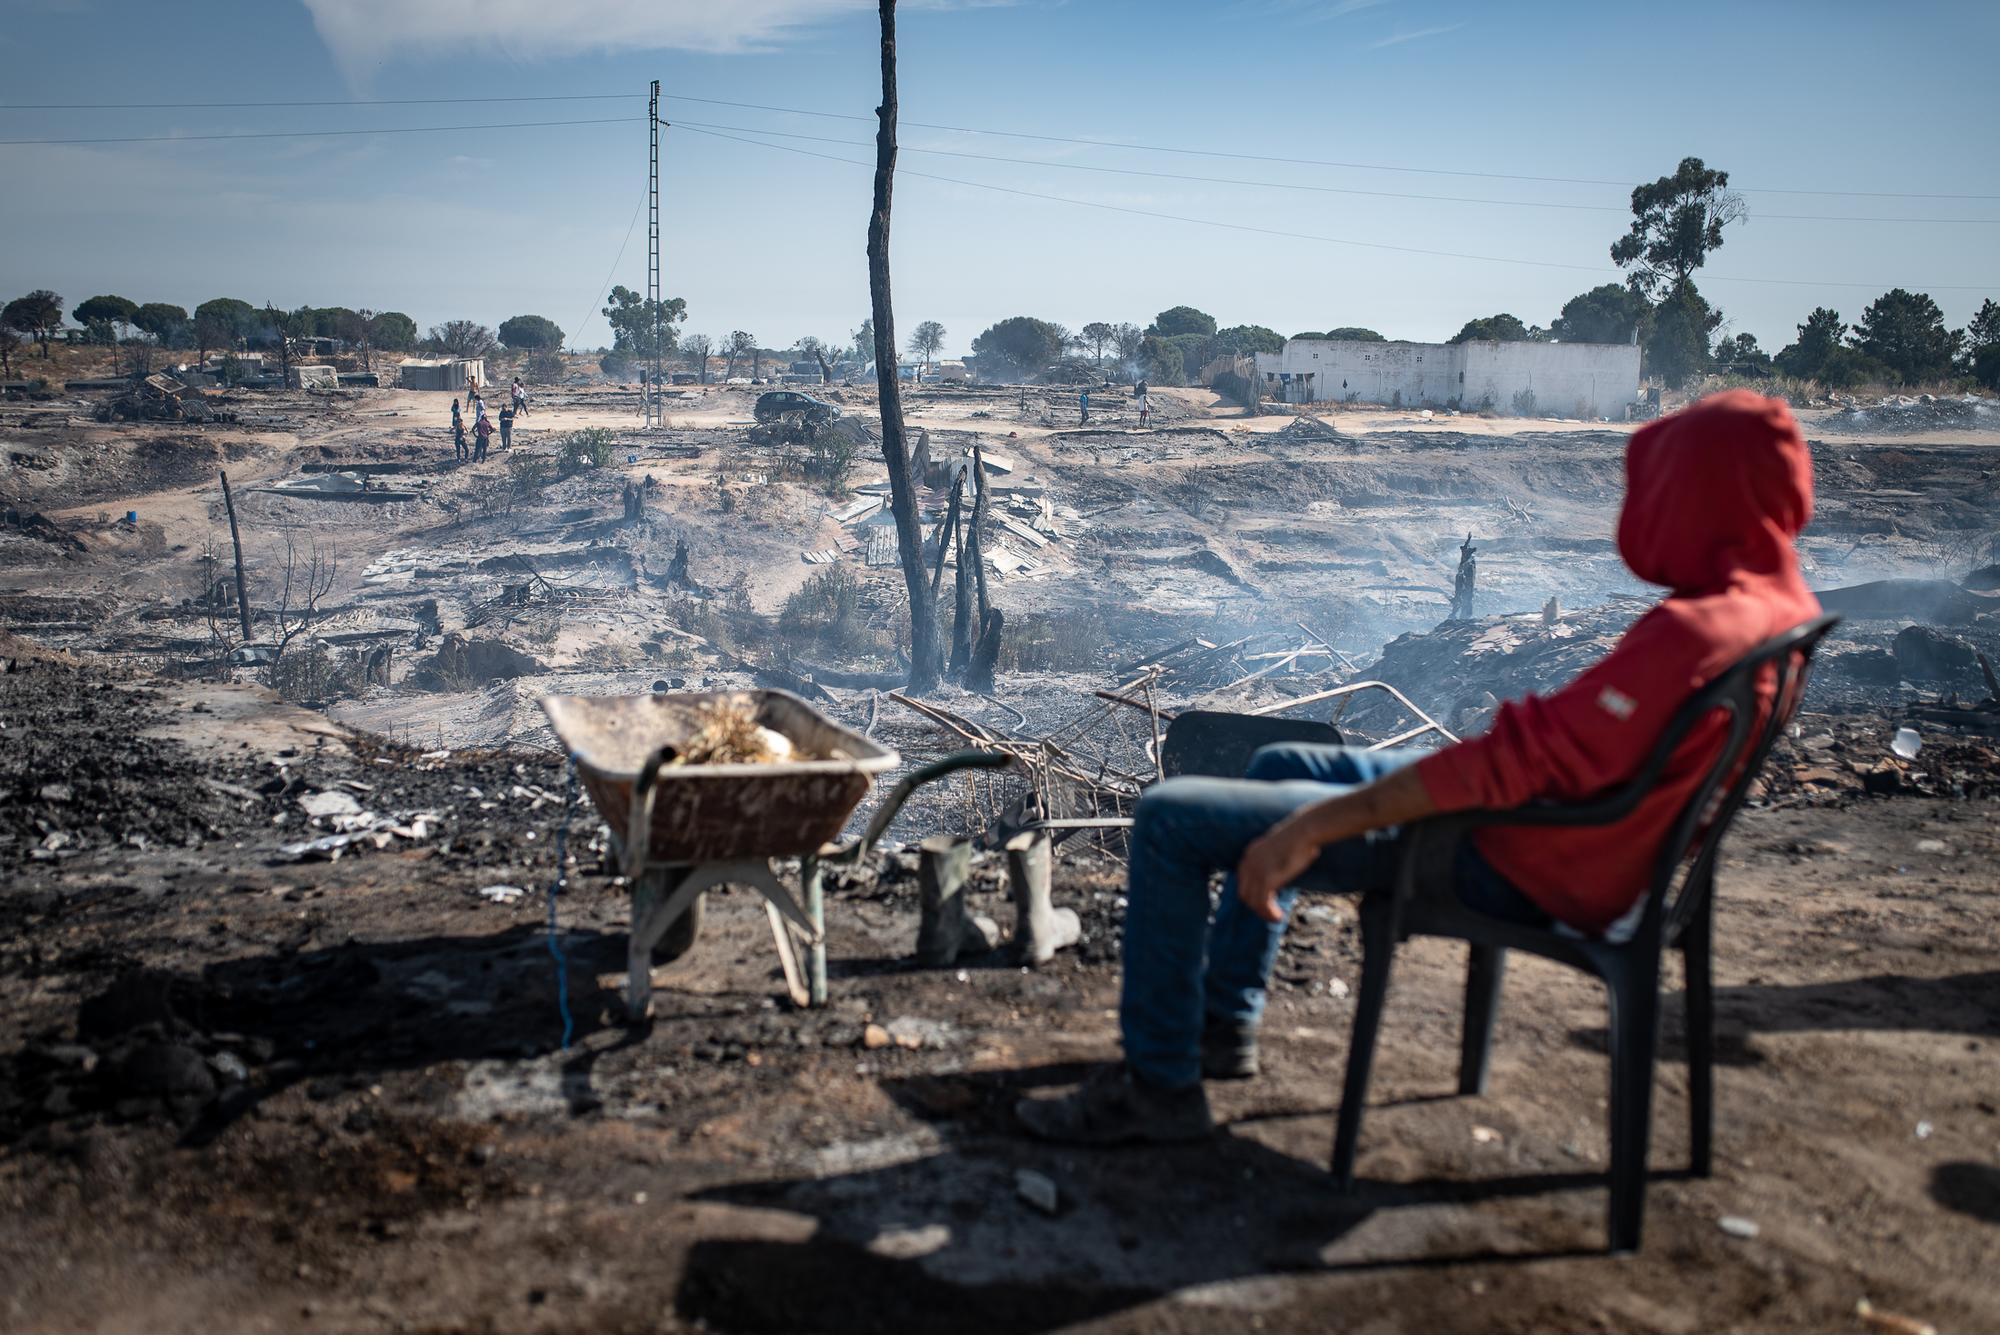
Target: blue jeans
<point>1179,967</point>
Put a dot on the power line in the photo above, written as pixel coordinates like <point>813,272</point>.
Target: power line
<point>1291,185</point>
<point>345,102</point>
<point>1299,162</point>
<point>924,125</point>
<point>314,134</point>
<point>629,228</point>
<point>1312,236</point>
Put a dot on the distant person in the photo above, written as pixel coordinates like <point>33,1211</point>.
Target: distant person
<point>506,426</point>
<point>482,432</point>
<point>457,431</point>
<point>471,386</point>
<point>520,403</point>
<point>1083,407</point>
<point>1145,413</point>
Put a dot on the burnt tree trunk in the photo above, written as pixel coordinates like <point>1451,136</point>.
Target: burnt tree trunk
<point>945,531</point>
<point>236,541</point>
<point>925,656</point>
<point>979,514</point>
<point>979,668</point>
<point>961,613</point>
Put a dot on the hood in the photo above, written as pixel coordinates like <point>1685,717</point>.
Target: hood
<point>1716,493</point>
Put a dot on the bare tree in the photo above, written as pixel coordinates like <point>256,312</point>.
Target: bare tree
<point>307,579</point>
<point>210,590</point>
<point>925,654</point>
<point>698,347</point>
<point>926,342</point>
<point>1066,340</point>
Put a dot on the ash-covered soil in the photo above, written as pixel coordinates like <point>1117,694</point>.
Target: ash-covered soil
<point>249,1090</point>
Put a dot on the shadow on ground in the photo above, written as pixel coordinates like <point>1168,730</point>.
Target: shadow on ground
<point>946,1242</point>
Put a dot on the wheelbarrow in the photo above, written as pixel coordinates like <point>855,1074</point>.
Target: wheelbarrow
<point>681,830</point>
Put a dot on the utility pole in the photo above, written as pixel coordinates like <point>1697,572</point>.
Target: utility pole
<point>653,123</point>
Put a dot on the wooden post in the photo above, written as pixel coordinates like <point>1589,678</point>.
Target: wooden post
<point>236,541</point>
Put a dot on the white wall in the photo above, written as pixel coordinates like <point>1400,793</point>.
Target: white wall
<point>1568,379</point>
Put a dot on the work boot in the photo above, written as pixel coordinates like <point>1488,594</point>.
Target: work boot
<point>1228,1049</point>
<point>1117,1107</point>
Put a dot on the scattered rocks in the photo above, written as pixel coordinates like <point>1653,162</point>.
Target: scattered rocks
<point>1038,1190</point>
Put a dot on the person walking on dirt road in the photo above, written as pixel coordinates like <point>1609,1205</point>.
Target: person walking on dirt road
<point>482,431</point>
<point>520,402</point>
<point>1083,406</point>
<point>457,431</point>
<point>506,426</point>
<point>1714,497</point>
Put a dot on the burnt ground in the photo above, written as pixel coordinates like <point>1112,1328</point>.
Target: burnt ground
<point>244,1091</point>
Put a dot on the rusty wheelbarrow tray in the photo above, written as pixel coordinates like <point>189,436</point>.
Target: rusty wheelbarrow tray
<point>681,829</point>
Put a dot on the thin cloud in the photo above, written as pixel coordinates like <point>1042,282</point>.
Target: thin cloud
<point>1315,11</point>
<point>1397,39</point>
<point>366,34</point>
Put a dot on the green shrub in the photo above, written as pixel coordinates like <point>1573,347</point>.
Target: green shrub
<point>589,448</point>
<point>1524,403</point>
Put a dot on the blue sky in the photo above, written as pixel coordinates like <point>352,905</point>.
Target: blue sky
<point>1833,97</point>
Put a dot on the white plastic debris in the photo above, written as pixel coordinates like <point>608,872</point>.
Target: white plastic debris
<point>1906,743</point>
<point>501,894</point>
<point>1485,1135</point>
<point>320,805</point>
<point>1736,1226</point>
<point>1924,1130</point>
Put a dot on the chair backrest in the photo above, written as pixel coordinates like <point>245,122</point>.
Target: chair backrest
<point>1219,745</point>
<point>1683,873</point>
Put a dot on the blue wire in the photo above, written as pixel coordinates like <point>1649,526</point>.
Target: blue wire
<point>555,887</point>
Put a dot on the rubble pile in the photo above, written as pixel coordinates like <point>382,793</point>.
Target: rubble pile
<point>1919,412</point>
<point>1833,759</point>
<point>1305,429</point>
<point>1461,670</point>
<point>76,774</point>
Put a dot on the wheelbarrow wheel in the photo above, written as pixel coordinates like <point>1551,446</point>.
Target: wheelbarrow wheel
<point>681,933</point>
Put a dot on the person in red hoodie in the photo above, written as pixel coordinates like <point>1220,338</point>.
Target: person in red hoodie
<point>1714,497</point>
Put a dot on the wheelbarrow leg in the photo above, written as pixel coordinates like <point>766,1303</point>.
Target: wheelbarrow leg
<point>815,878</point>
<point>656,902</point>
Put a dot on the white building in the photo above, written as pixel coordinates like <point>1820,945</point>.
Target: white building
<point>1565,379</point>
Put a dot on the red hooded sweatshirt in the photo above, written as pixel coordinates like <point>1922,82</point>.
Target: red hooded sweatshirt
<point>1714,496</point>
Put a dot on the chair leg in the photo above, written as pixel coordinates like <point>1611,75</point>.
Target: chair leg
<point>1378,948</point>
<point>1634,1032</point>
<point>1483,973</point>
<point>1697,954</point>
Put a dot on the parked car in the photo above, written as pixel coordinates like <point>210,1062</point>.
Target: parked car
<point>781,402</point>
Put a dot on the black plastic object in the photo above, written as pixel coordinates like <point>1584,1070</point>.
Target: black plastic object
<point>1219,745</point>
<point>1679,911</point>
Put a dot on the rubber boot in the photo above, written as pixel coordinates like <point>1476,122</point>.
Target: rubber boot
<point>948,928</point>
<point>1041,929</point>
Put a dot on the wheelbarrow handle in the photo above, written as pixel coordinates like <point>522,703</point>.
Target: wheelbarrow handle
<point>639,826</point>
<point>914,780</point>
